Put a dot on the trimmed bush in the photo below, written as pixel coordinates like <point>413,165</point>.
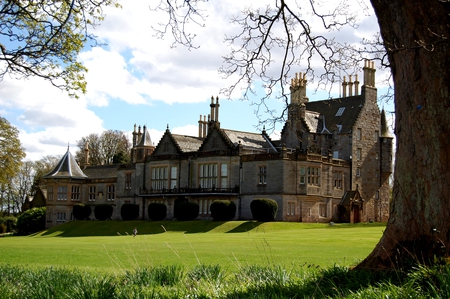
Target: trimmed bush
<point>157,211</point>
<point>186,211</point>
<point>264,209</point>
<point>129,211</point>
<point>103,212</point>
<point>7,224</point>
<point>31,221</point>
<point>223,210</point>
<point>81,211</point>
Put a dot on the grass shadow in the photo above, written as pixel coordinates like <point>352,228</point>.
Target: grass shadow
<point>245,227</point>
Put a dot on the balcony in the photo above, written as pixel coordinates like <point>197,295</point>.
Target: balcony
<point>189,191</point>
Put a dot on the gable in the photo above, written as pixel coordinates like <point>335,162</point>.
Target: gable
<point>215,141</point>
<point>166,146</point>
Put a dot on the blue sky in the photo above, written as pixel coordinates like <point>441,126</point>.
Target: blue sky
<point>138,79</point>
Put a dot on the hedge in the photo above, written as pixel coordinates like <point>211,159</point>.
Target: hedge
<point>186,211</point>
<point>264,209</point>
<point>81,211</point>
<point>223,210</point>
<point>129,211</point>
<point>157,211</point>
<point>31,221</point>
<point>7,224</point>
<point>103,212</point>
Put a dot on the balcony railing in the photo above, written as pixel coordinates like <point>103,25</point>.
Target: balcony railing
<point>180,191</point>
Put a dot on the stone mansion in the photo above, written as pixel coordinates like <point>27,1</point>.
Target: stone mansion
<point>331,163</point>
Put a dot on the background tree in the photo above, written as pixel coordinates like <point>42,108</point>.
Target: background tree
<point>110,147</point>
<point>42,167</point>
<point>415,42</point>
<point>43,39</point>
<point>11,151</point>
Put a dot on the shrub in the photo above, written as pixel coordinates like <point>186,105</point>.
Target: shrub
<point>264,209</point>
<point>223,210</point>
<point>103,212</point>
<point>31,221</point>
<point>129,211</point>
<point>157,211</point>
<point>7,224</point>
<point>186,211</point>
<point>81,211</point>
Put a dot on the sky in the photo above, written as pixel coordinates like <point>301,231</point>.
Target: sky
<point>139,79</point>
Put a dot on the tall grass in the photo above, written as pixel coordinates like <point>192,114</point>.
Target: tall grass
<point>210,281</point>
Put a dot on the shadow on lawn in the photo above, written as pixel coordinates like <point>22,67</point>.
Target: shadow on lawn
<point>124,228</point>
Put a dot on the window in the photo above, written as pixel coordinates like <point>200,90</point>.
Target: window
<point>358,134</point>
<point>314,176</point>
<point>322,210</point>
<point>50,193</point>
<point>128,181</point>
<point>208,175</point>
<point>358,172</point>
<point>291,209</point>
<point>61,217</point>
<point>91,193</point>
<point>359,153</point>
<point>160,178</point>
<point>376,136</point>
<point>75,195</point>
<point>223,175</point>
<point>62,193</point>
<point>335,154</point>
<point>340,111</point>
<point>204,206</point>
<point>111,192</point>
<point>302,175</point>
<point>173,177</point>
<point>338,179</point>
<point>262,175</point>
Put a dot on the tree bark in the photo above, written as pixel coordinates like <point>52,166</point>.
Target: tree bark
<point>416,33</point>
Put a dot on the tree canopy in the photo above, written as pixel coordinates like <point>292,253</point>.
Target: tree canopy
<point>110,147</point>
<point>43,39</point>
<point>11,151</point>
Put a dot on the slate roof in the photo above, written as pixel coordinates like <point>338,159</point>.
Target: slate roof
<point>102,171</point>
<point>187,143</point>
<point>329,108</point>
<point>66,168</point>
<point>254,141</point>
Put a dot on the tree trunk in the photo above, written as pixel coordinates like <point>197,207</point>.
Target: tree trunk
<point>415,33</point>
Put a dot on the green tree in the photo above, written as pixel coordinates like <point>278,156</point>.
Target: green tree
<point>11,151</point>
<point>43,39</point>
<point>111,147</point>
<point>414,45</point>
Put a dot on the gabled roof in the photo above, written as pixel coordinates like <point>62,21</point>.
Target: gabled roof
<point>66,168</point>
<point>180,144</point>
<point>351,196</point>
<point>187,143</point>
<point>248,140</point>
<point>349,108</point>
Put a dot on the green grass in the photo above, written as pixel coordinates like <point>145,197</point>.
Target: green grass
<point>106,246</point>
<point>201,259</point>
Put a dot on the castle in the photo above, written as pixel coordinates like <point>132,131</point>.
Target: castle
<point>332,163</point>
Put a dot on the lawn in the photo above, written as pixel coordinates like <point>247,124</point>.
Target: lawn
<point>109,246</point>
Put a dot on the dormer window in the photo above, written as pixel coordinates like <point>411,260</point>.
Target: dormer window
<point>340,111</point>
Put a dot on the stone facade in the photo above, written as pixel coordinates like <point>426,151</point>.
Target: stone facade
<point>332,163</point>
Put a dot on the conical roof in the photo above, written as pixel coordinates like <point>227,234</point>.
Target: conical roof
<point>66,168</point>
<point>145,139</point>
<point>385,133</point>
